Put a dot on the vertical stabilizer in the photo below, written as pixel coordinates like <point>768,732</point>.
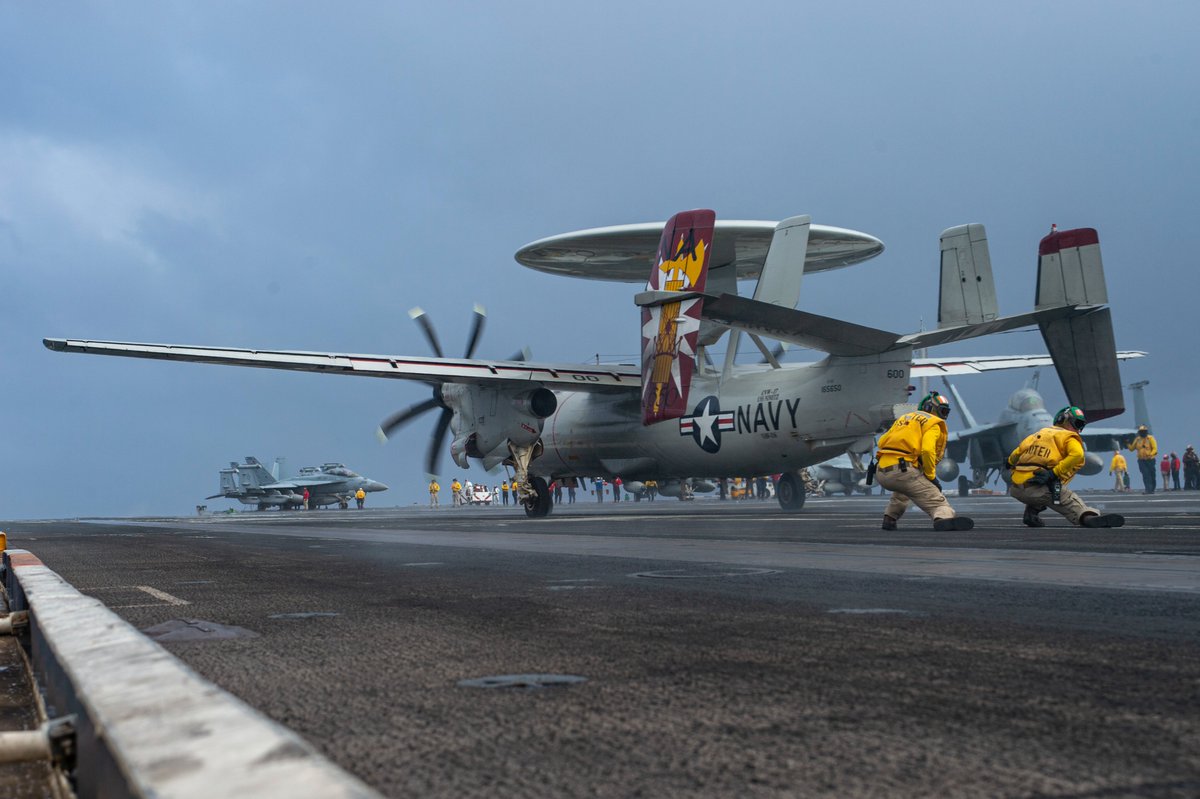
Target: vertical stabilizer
<point>1070,271</point>
<point>670,330</point>
<point>967,293</point>
<point>783,270</point>
<point>1082,345</point>
<point>1141,413</point>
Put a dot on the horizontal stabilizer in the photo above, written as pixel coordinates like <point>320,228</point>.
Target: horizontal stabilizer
<point>797,327</point>
<point>967,293</point>
<point>932,338</point>
<point>1085,356</point>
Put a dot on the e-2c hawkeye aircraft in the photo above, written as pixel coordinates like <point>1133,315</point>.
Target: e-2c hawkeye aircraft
<point>679,414</point>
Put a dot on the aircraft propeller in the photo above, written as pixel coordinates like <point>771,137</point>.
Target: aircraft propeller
<point>442,427</point>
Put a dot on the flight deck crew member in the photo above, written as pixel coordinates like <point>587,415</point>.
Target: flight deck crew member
<point>434,490</point>
<point>504,491</point>
<point>908,455</point>
<point>1174,472</point>
<point>1053,455</point>
<point>1119,468</point>
<point>360,497</point>
<point>1191,468</point>
<point>1146,448</point>
<point>456,490</point>
<point>1165,468</point>
<point>306,496</point>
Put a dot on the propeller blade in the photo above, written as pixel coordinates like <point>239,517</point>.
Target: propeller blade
<point>389,425</point>
<point>476,330</point>
<point>438,441</point>
<point>418,315</point>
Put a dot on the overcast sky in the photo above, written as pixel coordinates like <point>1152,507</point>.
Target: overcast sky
<point>298,175</point>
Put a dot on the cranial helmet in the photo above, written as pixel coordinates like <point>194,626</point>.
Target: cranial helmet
<point>1073,415</point>
<point>934,403</point>
<point>1143,429</point>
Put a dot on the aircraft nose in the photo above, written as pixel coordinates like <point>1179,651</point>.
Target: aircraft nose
<point>375,485</point>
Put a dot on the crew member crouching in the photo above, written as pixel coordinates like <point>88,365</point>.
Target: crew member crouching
<point>906,461</point>
<point>1044,463</point>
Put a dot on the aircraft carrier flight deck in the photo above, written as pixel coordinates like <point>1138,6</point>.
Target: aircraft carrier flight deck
<point>701,649</point>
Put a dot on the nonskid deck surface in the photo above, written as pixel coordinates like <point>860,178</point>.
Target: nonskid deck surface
<point>727,647</point>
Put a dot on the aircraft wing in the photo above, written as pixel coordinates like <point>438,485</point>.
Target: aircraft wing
<point>942,367</point>
<point>978,431</point>
<point>575,377</point>
<point>1099,439</point>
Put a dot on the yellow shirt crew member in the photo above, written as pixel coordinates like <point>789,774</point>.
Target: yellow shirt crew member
<point>1119,468</point>
<point>906,465</point>
<point>1053,455</point>
<point>1146,448</point>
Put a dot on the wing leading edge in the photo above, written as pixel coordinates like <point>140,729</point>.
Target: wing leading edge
<point>434,371</point>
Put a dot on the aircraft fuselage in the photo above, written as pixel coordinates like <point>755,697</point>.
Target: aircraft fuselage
<point>757,421</point>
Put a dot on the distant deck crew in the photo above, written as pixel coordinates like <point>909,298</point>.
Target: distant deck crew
<point>1118,468</point>
<point>504,491</point>
<point>360,497</point>
<point>906,461</point>
<point>1146,448</point>
<point>434,490</point>
<point>1191,468</point>
<point>456,492</point>
<point>1044,463</point>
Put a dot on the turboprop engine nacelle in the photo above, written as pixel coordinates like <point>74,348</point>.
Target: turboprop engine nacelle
<point>1092,464</point>
<point>947,470</point>
<point>486,419</point>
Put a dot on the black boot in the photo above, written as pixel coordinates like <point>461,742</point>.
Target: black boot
<point>957,523</point>
<point>889,523</point>
<point>1031,518</point>
<point>1102,520</point>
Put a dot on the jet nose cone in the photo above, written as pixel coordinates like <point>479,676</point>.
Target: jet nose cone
<point>375,485</point>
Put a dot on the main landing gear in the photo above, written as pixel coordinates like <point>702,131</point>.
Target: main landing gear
<point>790,491</point>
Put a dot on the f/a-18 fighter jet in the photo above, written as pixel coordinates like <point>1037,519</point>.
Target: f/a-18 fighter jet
<point>250,483</point>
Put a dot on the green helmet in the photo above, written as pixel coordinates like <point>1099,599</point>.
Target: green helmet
<point>934,403</point>
<point>1072,414</point>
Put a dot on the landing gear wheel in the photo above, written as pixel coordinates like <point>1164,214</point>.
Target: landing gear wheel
<point>541,505</point>
<point>964,487</point>
<point>790,492</point>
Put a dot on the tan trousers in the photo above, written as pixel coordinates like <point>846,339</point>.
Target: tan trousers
<point>1070,506</point>
<point>912,486</point>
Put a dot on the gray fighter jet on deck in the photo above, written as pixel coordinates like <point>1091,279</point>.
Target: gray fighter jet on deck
<point>988,445</point>
<point>252,484</point>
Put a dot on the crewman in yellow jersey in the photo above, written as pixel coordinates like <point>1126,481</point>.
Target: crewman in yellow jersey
<point>1118,468</point>
<point>905,465</point>
<point>1044,463</point>
<point>1146,448</point>
<point>434,490</point>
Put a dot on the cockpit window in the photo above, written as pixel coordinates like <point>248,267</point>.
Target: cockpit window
<point>1025,401</point>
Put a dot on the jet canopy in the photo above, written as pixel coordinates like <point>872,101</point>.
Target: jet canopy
<point>1026,400</point>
